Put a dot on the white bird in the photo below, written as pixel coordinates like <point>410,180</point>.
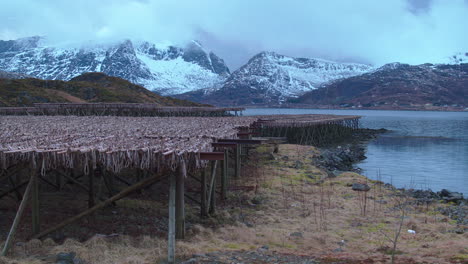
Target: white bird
<point>411,231</point>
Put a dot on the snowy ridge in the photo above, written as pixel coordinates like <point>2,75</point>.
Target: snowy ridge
<point>159,67</point>
<point>285,77</point>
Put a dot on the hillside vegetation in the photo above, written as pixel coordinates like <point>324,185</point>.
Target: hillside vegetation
<point>88,87</point>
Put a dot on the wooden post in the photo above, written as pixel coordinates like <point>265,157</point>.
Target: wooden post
<point>238,160</point>
<point>114,198</point>
<point>58,181</point>
<point>172,220</point>
<point>35,201</point>
<point>180,203</point>
<point>14,226</point>
<point>204,206</point>
<point>224,177</point>
<point>212,195</point>
<point>91,187</point>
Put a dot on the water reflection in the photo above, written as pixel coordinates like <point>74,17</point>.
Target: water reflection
<point>423,150</point>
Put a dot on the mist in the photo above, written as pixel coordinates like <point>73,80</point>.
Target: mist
<point>367,31</point>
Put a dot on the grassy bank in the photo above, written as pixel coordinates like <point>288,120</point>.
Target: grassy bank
<point>288,206</point>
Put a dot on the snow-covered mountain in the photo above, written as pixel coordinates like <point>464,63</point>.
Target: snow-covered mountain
<point>162,68</point>
<point>270,78</point>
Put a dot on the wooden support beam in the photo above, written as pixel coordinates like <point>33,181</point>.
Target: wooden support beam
<point>114,198</point>
<point>203,195</point>
<point>238,161</point>
<point>224,145</point>
<point>35,202</point>
<point>242,141</point>
<point>211,191</point>
<point>49,182</point>
<point>5,174</point>
<point>16,222</point>
<point>172,220</point>
<point>19,186</point>
<point>224,176</point>
<point>180,202</point>
<point>82,186</point>
<point>17,192</point>
<point>124,181</point>
<point>211,155</point>
<point>192,199</point>
<point>58,181</point>
<point>91,202</point>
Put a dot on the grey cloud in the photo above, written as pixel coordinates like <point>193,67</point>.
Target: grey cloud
<point>377,32</point>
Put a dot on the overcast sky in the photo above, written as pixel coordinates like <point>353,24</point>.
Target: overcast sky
<point>369,31</point>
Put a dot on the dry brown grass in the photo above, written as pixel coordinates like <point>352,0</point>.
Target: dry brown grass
<point>296,197</point>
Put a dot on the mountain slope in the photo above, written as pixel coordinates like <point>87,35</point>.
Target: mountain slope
<point>270,78</point>
<point>162,68</point>
<point>397,85</point>
<point>88,87</point>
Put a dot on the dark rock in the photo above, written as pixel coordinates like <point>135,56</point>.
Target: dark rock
<point>190,261</point>
<point>360,187</point>
<point>298,164</point>
<point>449,196</point>
<point>271,156</point>
<point>296,234</point>
<point>68,258</point>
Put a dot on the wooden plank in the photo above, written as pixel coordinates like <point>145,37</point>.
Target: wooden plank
<point>12,190</point>
<point>203,207</point>
<point>224,176</point>
<point>91,202</point>
<point>180,203</point>
<point>242,141</point>
<point>16,222</point>
<point>212,187</point>
<point>35,202</point>
<point>172,220</point>
<point>211,155</point>
<point>224,145</point>
<point>114,198</point>
<point>238,162</point>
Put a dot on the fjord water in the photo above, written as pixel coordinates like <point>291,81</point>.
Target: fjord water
<point>422,150</point>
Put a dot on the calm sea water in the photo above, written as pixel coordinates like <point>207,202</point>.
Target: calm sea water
<point>423,150</point>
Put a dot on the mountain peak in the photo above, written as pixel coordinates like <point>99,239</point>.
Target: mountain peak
<point>159,67</point>
<point>270,78</point>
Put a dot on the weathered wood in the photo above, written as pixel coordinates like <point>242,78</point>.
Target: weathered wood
<point>211,156</point>
<point>172,220</point>
<point>17,192</point>
<point>79,184</point>
<point>16,222</point>
<point>180,203</point>
<point>124,181</point>
<point>12,190</point>
<point>91,202</point>
<point>238,161</point>
<point>192,199</point>
<point>242,141</point>
<point>114,198</point>
<point>224,176</point>
<point>58,181</point>
<point>35,202</point>
<point>49,182</point>
<point>212,187</point>
<point>203,195</point>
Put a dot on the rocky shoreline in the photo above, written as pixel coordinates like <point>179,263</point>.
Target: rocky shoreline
<point>336,159</point>
<point>343,157</point>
